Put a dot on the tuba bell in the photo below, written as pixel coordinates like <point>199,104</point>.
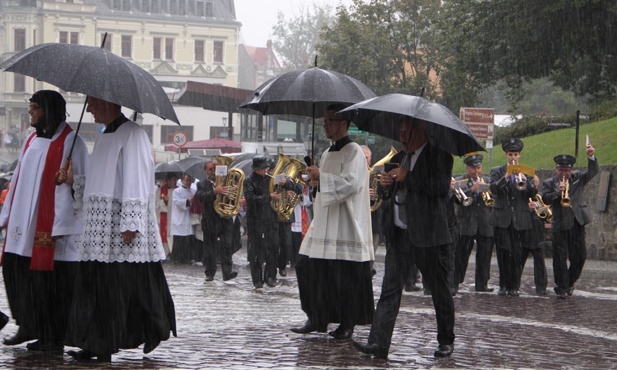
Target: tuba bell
<point>292,169</point>
<point>376,201</point>
<point>228,205</point>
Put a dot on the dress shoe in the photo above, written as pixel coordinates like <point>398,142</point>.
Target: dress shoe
<point>271,282</point>
<point>209,277</point>
<point>371,349</point>
<point>570,290</point>
<point>232,275</point>
<point>560,295</point>
<point>83,355</point>
<point>18,338</point>
<point>45,346</point>
<point>484,289</point>
<point>514,293</point>
<point>309,328</point>
<point>444,350</point>
<point>282,272</point>
<point>427,292</point>
<point>541,291</point>
<point>502,292</point>
<point>342,332</point>
<point>373,272</point>
<point>149,347</point>
<point>258,285</point>
<point>4,319</point>
<point>412,288</point>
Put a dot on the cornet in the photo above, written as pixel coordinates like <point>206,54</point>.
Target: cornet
<point>542,210</point>
<point>460,194</point>
<point>520,183</point>
<point>486,195</point>
<point>565,194</point>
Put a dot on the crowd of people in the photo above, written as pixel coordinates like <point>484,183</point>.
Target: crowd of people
<point>86,235</point>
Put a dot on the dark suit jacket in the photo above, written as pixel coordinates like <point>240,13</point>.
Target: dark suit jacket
<point>426,194</point>
<point>511,205</point>
<point>211,222</point>
<point>563,217</point>
<point>475,218</point>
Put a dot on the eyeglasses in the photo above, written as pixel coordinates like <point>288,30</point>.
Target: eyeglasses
<point>329,121</point>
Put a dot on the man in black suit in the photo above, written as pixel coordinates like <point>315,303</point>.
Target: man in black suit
<point>474,225</point>
<point>511,217</point>
<point>416,229</point>
<point>214,226</point>
<point>569,220</point>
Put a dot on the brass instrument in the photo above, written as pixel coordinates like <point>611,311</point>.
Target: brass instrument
<point>542,210</point>
<point>292,169</point>
<point>460,194</point>
<point>518,170</point>
<point>486,195</point>
<point>376,201</point>
<point>565,194</point>
<point>228,205</point>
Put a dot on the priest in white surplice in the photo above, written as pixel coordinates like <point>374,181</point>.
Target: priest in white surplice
<point>122,299</point>
<point>40,256</point>
<point>334,271</point>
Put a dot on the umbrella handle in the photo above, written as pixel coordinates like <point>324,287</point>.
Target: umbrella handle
<point>65,168</point>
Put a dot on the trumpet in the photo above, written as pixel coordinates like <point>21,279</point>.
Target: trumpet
<point>517,170</point>
<point>542,210</point>
<point>565,194</point>
<point>460,195</point>
<point>486,195</point>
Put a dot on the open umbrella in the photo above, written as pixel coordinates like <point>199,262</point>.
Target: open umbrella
<point>194,166</point>
<point>94,72</point>
<point>307,92</point>
<point>380,116</point>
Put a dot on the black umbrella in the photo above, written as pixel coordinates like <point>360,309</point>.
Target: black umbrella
<point>307,92</point>
<point>380,116</point>
<point>94,72</point>
<point>193,166</point>
<point>246,165</point>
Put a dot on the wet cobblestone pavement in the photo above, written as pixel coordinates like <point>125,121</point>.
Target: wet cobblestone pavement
<point>232,325</point>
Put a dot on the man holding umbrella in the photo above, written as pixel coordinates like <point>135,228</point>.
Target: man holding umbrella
<point>416,228</point>
<point>334,269</point>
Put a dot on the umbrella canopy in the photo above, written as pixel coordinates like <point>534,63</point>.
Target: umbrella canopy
<point>193,166</point>
<point>225,145</point>
<point>245,165</point>
<point>380,116</point>
<point>95,72</point>
<point>307,92</point>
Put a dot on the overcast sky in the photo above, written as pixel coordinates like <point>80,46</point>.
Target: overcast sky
<point>258,16</point>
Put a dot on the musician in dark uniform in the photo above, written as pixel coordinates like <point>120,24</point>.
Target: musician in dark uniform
<point>569,222</point>
<point>214,226</point>
<point>474,225</point>
<point>416,227</point>
<point>511,217</point>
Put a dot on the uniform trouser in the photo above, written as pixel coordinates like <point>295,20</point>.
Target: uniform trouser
<point>568,245</point>
<point>263,247</point>
<point>284,244</point>
<point>509,242</point>
<point>484,251</point>
<point>540,279</point>
<point>400,256</point>
<point>212,250</point>
<point>296,242</point>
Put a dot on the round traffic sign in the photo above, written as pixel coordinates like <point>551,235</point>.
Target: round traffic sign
<point>180,139</point>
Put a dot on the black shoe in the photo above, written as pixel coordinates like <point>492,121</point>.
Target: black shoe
<point>149,347</point>
<point>570,290</point>
<point>282,272</point>
<point>373,272</point>
<point>502,292</point>
<point>4,319</point>
<point>42,346</point>
<point>514,293</point>
<point>444,350</point>
<point>561,295</point>
<point>271,282</point>
<point>412,288</point>
<point>232,275</point>
<point>309,328</point>
<point>484,289</point>
<point>342,333</point>
<point>83,355</point>
<point>209,277</point>
<point>371,349</point>
<point>18,338</point>
<point>258,285</point>
<point>541,291</point>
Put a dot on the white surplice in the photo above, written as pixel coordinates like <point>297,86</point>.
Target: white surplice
<point>341,226</point>
<point>19,213</point>
<point>181,224</point>
<point>118,197</point>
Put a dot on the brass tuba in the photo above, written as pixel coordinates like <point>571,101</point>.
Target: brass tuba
<point>374,179</point>
<point>292,169</point>
<point>565,194</point>
<point>228,205</point>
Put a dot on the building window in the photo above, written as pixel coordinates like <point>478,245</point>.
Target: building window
<point>209,12</point>
<point>107,40</point>
<point>217,52</point>
<point>199,51</point>
<point>66,37</point>
<point>169,49</point>
<point>19,83</point>
<point>156,48</point>
<point>20,39</point>
<point>150,6</point>
<point>126,46</point>
<point>124,5</point>
<point>200,10</point>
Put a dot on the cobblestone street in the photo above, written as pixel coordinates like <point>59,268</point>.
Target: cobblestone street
<point>232,325</point>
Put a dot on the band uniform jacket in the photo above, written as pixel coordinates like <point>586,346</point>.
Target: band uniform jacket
<point>260,215</point>
<point>511,205</point>
<point>563,217</point>
<point>475,218</point>
<point>210,220</point>
<point>426,197</point>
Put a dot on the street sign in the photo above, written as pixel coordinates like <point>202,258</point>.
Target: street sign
<point>354,131</point>
<point>480,121</point>
<point>180,139</point>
